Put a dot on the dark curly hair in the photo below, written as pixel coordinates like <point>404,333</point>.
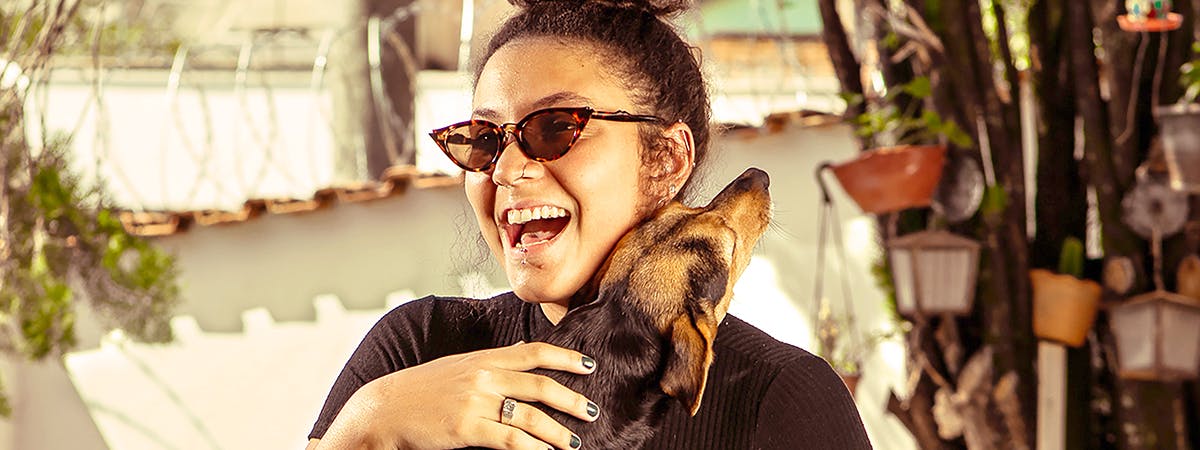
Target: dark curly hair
<point>659,68</point>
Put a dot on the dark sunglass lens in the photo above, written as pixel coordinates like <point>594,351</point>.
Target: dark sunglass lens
<point>473,145</point>
<point>549,135</point>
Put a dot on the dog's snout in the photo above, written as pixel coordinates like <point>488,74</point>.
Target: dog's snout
<point>754,178</point>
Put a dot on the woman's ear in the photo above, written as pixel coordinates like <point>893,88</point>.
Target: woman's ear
<point>679,159</point>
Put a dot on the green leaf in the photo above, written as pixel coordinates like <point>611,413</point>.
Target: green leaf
<point>995,201</point>
<point>1070,261</point>
<point>919,87</point>
<point>38,266</point>
<point>851,98</point>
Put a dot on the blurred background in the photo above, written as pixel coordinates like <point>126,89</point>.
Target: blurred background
<point>267,165</point>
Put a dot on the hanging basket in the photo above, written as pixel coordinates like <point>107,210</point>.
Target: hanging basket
<point>1180,131</point>
<point>891,179</point>
<point>1064,307</point>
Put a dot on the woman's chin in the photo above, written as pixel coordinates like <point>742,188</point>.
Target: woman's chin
<point>533,294</point>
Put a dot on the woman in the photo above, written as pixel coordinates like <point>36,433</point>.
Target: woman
<point>587,117</point>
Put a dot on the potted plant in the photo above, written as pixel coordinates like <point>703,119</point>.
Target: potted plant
<point>906,152</point>
<point>1064,304</point>
<point>1179,128</point>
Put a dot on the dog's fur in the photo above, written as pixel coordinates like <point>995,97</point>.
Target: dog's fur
<point>660,296</point>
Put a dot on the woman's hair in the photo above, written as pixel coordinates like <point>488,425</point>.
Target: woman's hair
<point>657,66</point>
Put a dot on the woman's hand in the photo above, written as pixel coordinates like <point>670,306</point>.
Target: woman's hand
<point>456,401</point>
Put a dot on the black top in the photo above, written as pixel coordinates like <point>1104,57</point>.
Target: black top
<point>761,393</point>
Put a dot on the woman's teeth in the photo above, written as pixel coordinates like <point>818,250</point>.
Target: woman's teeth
<point>521,216</point>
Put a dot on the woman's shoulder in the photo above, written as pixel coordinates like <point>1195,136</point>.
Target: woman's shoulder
<point>450,308</point>
<point>799,397</point>
<point>438,325</point>
<point>740,340</point>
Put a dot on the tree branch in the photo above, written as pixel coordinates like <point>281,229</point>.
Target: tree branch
<point>845,65</point>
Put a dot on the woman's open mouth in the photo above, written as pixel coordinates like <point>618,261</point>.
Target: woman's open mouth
<point>529,227</point>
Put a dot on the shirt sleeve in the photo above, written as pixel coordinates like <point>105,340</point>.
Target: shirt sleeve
<point>395,342</point>
<point>808,406</point>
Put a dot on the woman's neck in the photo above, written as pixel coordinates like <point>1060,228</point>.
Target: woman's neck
<point>554,311</point>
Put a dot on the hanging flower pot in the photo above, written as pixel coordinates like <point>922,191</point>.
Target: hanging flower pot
<point>1157,336</point>
<point>1064,307</point>
<point>892,178</point>
<point>1180,131</point>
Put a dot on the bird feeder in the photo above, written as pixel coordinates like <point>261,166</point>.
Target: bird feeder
<point>934,272</point>
<point>1157,336</point>
<point>1180,131</point>
<point>1149,16</point>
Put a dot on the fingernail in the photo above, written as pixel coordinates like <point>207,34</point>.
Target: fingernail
<point>592,409</point>
<point>575,442</point>
<point>588,362</point>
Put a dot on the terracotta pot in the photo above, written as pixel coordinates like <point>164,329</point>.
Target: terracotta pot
<point>892,178</point>
<point>1064,307</point>
<point>851,381</point>
<point>1180,133</point>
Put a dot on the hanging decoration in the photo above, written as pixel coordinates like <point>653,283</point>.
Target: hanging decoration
<point>934,273</point>
<point>1149,16</point>
<point>1179,127</point>
<point>1157,333</point>
<point>830,329</point>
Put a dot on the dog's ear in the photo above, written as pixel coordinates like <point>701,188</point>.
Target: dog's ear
<point>691,355</point>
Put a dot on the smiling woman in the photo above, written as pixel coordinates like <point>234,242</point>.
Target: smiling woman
<point>588,117</point>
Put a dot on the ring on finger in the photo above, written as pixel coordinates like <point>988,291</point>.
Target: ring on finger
<point>506,410</point>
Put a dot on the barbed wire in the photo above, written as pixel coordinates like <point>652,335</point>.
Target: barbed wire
<point>257,149</point>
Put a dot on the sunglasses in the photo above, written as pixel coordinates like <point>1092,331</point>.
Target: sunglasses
<point>543,135</point>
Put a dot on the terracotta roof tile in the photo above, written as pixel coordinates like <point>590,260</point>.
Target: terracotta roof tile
<point>155,223</point>
<point>395,181</point>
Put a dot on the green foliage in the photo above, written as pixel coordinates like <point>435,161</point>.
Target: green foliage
<point>905,127</point>
<point>1070,261</point>
<point>1189,76</point>
<point>61,246</point>
<point>995,202</point>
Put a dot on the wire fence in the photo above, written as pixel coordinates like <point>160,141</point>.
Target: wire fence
<point>195,136</point>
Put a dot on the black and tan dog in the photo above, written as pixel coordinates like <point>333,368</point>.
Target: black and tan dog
<point>661,294</point>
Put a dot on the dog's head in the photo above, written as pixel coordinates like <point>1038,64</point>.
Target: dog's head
<point>679,268</point>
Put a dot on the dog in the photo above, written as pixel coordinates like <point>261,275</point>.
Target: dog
<point>660,296</point>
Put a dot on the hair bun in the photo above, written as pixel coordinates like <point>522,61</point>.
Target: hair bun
<point>656,7</point>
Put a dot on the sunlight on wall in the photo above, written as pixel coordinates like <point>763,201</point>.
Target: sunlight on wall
<point>758,298</point>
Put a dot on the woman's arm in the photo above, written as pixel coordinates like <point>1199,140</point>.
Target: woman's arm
<point>455,401</point>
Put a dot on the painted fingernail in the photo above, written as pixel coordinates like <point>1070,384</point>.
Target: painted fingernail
<point>575,442</point>
<point>592,409</point>
<point>588,362</point>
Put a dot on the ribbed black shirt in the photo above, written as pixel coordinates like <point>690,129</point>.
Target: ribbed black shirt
<point>761,393</point>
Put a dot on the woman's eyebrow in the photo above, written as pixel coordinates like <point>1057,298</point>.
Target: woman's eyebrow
<point>555,99</point>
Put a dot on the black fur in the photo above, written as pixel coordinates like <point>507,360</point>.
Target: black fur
<point>630,355</point>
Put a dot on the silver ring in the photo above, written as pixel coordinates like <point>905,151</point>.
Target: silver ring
<point>506,410</point>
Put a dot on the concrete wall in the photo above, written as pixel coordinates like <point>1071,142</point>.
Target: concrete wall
<point>262,330</point>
